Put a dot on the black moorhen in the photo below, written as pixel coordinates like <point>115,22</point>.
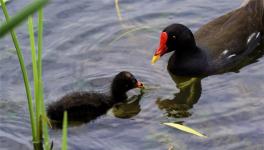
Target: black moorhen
<point>86,106</point>
<point>216,47</point>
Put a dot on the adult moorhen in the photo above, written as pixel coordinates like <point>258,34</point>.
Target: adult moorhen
<point>217,46</point>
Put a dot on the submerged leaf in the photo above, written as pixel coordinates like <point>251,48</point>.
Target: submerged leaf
<point>185,129</point>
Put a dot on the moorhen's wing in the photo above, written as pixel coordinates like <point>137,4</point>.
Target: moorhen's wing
<point>229,34</point>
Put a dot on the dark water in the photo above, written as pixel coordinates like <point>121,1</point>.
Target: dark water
<point>82,51</point>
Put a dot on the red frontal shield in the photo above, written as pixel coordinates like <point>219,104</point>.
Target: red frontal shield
<point>162,49</point>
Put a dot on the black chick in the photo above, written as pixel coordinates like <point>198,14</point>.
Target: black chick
<point>87,106</point>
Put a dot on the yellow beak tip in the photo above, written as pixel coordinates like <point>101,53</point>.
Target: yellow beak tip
<point>155,59</point>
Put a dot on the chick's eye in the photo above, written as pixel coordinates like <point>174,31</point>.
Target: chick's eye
<point>174,36</point>
<point>134,82</point>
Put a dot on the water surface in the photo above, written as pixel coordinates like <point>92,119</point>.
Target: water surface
<point>82,51</point>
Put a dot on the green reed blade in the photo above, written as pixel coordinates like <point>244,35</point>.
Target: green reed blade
<point>64,131</point>
<point>22,15</point>
<point>35,72</point>
<point>23,69</point>
<point>40,41</point>
<point>40,84</point>
<point>5,1</point>
<point>40,123</point>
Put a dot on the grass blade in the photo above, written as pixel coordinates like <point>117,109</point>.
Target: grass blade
<point>40,83</point>
<point>40,147</point>
<point>5,1</point>
<point>64,131</point>
<point>34,61</point>
<point>24,72</point>
<point>21,16</point>
<point>40,41</point>
<point>38,124</point>
<point>185,129</point>
<point>35,76</point>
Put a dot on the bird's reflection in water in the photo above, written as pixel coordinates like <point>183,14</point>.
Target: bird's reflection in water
<point>129,109</point>
<point>126,109</point>
<point>189,94</point>
<point>191,88</point>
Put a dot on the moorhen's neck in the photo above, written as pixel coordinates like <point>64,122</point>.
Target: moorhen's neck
<point>117,94</point>
<point>188,62</point>
<point>122,82</point>
<point>188,59</point>
<point>187,51</point>
<point>184,45</point>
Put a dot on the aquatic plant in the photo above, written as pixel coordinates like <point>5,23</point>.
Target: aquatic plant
<point>64,131</point>
<point>38,119</point>
<point>19,17</point>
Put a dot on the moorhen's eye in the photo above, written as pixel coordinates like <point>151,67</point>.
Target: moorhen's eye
<point>174,36</point>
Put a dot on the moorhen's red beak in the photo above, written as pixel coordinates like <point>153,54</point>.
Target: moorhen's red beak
<point>139,85</point>
<point>162,47</point>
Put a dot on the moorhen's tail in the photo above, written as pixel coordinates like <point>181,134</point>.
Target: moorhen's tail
<point>246,2</point>
<point>256,6</point>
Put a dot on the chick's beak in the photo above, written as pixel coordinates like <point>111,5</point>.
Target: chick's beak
<point>139,85</point>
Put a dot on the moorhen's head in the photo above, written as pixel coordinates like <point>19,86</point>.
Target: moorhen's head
<point>123,82</point>
<point>175,37</point>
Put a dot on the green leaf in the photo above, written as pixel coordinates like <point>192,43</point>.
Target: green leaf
<point>21,16</point>
<point>185,129</point>
<point>64,131</point>
<point>5,1</point>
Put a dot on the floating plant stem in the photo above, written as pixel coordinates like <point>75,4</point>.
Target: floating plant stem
<point>118,12</point>
<point>132,30</point>
<point>185,129</point>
